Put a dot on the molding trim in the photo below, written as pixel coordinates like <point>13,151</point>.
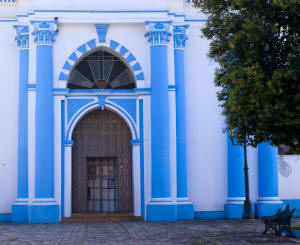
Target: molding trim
<point>22,36</point>
<point>158,32</point>
<point>180,33</point>
<point>102,31</point>
<point>44,32</point>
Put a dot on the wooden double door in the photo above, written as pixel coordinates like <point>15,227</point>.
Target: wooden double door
<point>101,164</point>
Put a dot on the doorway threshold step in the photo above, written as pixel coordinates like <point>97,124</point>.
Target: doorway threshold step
<point>102,217</point>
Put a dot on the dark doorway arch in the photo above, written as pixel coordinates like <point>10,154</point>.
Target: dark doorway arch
<point>101,164</point>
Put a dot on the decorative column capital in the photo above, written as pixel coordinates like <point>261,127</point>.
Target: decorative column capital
<point>158,32</point>
<point>44,32</point>
<point>180,36</point>
<point>22,36</point>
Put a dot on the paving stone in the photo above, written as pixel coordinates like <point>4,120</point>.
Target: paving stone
<point>199,232</point>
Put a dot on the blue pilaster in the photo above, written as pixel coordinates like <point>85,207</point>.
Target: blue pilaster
<point>20,207</point>
<point>269,201</point>
<point>160,207</point>
<point>44,208</point>
<point>234,205</point>
<point>184,206</point>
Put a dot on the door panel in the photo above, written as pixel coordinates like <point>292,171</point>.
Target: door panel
<point>101,164</point>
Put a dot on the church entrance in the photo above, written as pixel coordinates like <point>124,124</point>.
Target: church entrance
<point>101,164</point>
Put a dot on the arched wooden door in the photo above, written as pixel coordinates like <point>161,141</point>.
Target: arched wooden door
<point>101,164</point>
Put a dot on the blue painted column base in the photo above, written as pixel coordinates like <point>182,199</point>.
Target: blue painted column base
<point>161,212</point>
<point>44,214</point>
<point>185,211</point>
<point>233,211</point>
<point>266,209</point>
<point>19,213</point>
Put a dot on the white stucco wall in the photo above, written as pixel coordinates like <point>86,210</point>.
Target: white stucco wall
<point>206,143</point>
<point>288,176</point>
<point>9,68</point>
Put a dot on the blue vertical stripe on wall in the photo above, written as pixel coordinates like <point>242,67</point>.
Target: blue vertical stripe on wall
<point>141,112</point>
<point>160,130</point>
<point>23,125</point>
<point>267,170</point>
<point>44,150</point>
<point>180,124</point>
<point>62,158</point>
<point>235,170</point>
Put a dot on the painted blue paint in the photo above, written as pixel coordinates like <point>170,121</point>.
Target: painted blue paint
<point>90,92</point>
<point>82,49</point>
<point>67,66</point>
<point>158,32</point>
<point>102,11</point>
<point>44,31</point>
<point>235,181</point>
<point>92,105</point>
<point>209,215</point>
<point>5,218</point>
<point>136,141</point>
<point>73,56</point>
<point>196,20</point>
<point>180,124</point>
<point>63,77</point>
<point>294,203</point>
<point>31,86</point>
<point>44,124</point>
<point>69,142</point>
<point>160,123</point>
<point>161,213</point>
<point>130,58</point>
<point>62,149</point>
<point>101,100</point>
<point>266,209</point>
<point>137,67</point>
<point>44,214</point>
<point>142,167</point>
<point>73,105</point>
<point>128,104</point>
<point>267,170</point>
<point>8,20</point>
<point>102,31</point>
<point>185,211</point>
<point>180,36</point>
<point>113,44</point>
<point>92,43</point>
<point>235,170</point>
<point>19,213</point>
<point>23,125</point>
<point>123,50</point>
<point>233,210</point>
<point>140,76</point>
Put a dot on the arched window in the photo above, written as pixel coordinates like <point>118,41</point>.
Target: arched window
<point>101,70</point>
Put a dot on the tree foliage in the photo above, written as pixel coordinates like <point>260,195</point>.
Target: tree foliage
<point>257,46</point>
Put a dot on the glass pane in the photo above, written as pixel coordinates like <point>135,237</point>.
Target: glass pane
<point>101,70</point>
<point>107,69</point>
<point>95,69</point>
<point>117,69</point>
<point>84,68</point>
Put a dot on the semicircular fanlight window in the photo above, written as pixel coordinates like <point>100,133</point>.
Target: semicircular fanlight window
<point>101,70</point>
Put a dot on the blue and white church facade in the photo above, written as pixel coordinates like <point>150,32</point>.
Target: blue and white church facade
<point>110,106</point>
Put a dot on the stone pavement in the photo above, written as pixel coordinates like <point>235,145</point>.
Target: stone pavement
<point>198,232</point>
